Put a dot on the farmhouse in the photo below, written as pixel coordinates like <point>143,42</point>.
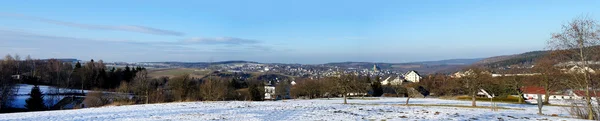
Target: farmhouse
<point>531,93</point>
<point>269,92</point>
<point>411,76</point>
<point>393,80</point>
<point>563,96</point>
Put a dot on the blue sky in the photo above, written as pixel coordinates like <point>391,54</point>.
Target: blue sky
<point>304,31</point>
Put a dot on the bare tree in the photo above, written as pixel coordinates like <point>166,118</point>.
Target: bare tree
<point>579,40</point>
<point>308,87</point>
<point>55,69</point>
<point>141,84</point>
<point>179,86</point>
<point>282,89</point>
<point>213,90</point>
<point>6,82</point>
<point>473,81</point>
<point>550,75</point>
<point>346,84</point>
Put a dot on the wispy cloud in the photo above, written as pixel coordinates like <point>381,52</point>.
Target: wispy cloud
<point>130,28</point>
<point>220,40</point>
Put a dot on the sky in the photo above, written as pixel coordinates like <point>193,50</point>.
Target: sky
<point>281,31</point>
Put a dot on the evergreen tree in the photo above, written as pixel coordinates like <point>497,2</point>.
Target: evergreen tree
<point>35,102</point>
<point>256,94</point>
<point>102,79</point>
<point>377,89</point>
<point>127,74</point>
<point>77,65</point>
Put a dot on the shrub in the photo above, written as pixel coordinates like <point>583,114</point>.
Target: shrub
<point>94,99</point>
<point>580,111</point>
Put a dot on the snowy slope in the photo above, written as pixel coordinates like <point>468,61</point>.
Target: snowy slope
<point>318,109</point>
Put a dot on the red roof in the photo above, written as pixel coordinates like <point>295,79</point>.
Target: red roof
<point>533,90</point>
<point>582,93</point>
<point>537,90</point>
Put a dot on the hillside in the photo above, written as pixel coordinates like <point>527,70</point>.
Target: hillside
<point>523,59</point>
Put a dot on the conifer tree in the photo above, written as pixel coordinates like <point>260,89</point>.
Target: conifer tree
<point>256,93</point>
<point>35,102</point>
<point>377,89</point>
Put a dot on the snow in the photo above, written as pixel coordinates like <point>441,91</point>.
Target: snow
<point>25,89</point>
<point>49,92</point>
<point>316,109</point>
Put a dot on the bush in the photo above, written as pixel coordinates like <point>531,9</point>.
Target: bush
<point>256,92</point>
<point>94,99</point>
<point>580,111</point>
<point>213,90</point>
<point>181,86</point>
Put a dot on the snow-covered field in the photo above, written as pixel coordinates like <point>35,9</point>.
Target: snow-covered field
<point>317,109</point>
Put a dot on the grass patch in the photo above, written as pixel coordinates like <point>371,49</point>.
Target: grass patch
<point>177,71</point>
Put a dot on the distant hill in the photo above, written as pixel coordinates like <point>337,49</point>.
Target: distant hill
<point>199,64</point>
<point>517,59</point>
<point>63,59</point>
<point>523,59</point>
<point>451,62</point>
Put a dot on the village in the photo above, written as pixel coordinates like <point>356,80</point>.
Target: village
<point>265,60</point>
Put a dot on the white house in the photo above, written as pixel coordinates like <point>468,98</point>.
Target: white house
<point>393,80</point>
<point>412,76</point>
<point>397,81</point>
<point>577,69</point>
<point>269,92</point>
<point>386,81</point>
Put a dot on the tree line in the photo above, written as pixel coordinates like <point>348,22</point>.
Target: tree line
<point>92,75</point>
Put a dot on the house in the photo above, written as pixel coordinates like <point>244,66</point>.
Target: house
<point>16,77</point>
<point>580,94</point>
<point>469,72</point>
<point>269,92</point>
<point>70,102</point>
<point>386,81</point>
<point>577,69</point>
<point>393,80</point>
<point>412,76</point>
<point>530,93</point>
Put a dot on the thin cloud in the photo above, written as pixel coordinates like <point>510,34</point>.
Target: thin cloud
<point>212,45</point>
<point>220,40</point>
<point>130,28</point>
